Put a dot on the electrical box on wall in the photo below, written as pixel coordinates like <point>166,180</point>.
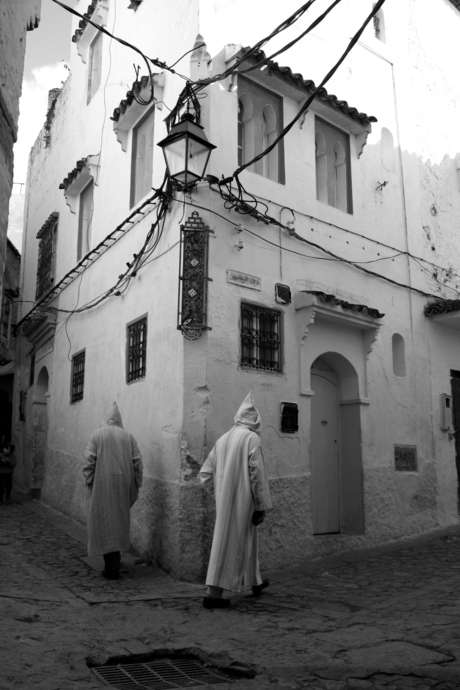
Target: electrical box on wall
<point>289,418</point>
<point>282,293</point>
<point>446,412</point>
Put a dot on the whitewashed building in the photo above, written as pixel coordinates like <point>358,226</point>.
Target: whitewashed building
<point>331,292</point>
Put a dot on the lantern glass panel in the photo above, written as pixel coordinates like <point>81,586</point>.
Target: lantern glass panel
<point>175,157</point>
<point>197,158</point>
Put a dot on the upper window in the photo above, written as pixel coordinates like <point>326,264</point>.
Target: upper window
<point>260,338</point>
<point>260,121</point>
<point>78,376</point>
<point>46,256</point>
<point>94,66</point>
<point>85,220</point>
<point>6,321</point>
<point>142,158</point>
<point>333,173</point>
<point>136,350</point>
<point>379,26</point>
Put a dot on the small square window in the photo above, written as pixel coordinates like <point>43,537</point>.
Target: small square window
<point>78,376</point>
<point>136,350</point>
<point>142,158</point>
<point>94,66</point>
<point>260,338</point>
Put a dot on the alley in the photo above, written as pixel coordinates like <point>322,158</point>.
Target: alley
<point>384,618</point>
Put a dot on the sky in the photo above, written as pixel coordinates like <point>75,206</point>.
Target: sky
<point>47,50</point>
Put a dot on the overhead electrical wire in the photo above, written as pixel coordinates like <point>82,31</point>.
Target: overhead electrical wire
<point>248,205</point>
<point>355,264</point>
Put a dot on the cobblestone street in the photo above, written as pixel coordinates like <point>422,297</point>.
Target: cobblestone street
<point>385,618</point>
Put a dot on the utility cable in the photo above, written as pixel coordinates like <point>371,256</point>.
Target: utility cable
<point>377,6</point>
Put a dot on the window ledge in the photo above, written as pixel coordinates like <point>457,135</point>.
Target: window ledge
<point>130,111</point>
<point>85,170</point>
<point>83,37</point>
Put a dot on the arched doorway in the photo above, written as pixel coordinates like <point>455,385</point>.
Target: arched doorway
<point>40,429</point>
<point>335,447</point>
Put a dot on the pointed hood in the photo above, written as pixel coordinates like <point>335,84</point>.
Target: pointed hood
<point>113,416</point>
<point>248,415</point>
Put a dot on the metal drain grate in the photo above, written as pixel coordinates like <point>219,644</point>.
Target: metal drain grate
<point>160,675</point>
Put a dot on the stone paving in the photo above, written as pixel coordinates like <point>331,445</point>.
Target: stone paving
<point>385,618</point>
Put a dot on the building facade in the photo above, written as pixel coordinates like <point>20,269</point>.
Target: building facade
<point>322,276</point>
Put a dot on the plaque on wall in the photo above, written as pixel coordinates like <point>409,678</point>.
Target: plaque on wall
<point>243,279</point>
<point>406,458</point>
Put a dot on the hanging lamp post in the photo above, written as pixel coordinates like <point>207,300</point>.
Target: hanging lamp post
<point>186,150</point>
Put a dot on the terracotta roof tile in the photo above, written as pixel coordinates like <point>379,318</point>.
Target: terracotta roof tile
<point>73,174</point>
<point>83,23</point>
<point>309,86</point>
<point>126,102</point>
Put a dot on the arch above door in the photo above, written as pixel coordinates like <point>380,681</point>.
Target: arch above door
<point>347,331</point>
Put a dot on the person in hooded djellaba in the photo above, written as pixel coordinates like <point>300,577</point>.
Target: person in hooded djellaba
<point>235,474</point>
<point>113,473</point>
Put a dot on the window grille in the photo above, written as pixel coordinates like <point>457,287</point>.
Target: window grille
<point>260,338</point>
<point>78,376</point>
<point>137,350</point>
<point>6,320</point>
<point>46,250</point>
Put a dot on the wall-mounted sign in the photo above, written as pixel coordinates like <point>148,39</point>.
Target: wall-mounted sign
<point>243,279</point>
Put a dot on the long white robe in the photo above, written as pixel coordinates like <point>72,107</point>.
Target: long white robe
<point>235,473</point>
<point>113,474</point>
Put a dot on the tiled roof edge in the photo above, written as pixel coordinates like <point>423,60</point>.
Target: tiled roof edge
<point>73,173</point>
<point>309,86</point>
<point>442,306</point>
<point>83,22</point>
<point>324,297</point>
<point>126,102</point>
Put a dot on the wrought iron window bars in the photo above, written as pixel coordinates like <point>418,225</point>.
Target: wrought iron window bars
<point>78,376</point>
<point>260,338</point>
<point>137,350</point>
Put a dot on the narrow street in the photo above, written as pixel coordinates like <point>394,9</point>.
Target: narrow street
<point>385,618</point>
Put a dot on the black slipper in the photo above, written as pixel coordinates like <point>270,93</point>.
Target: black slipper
<point>257,589</point>
<point>215,603</point>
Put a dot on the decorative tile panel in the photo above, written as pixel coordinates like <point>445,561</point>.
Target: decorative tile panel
<point>193,278</point>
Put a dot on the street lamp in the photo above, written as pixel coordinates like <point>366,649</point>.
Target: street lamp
<point>186,150</point>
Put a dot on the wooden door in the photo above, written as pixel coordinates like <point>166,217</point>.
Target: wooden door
<point>325,453</point>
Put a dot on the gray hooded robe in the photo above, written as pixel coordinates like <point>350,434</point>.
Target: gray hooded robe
<point>113,474</point>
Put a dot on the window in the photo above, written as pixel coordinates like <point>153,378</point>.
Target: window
<point>85,220</point>
<point>333,172</point>
<point>260,338</point>
<point>379,26</point>
<point>399,355</point>
<point>78,376</point>
<point>142,158</point>
<point>6,321</point>
<point>136,350</point>
<point>388,149</point>
<point>94,66</point>
<point>32,369</point>
<point>46,254</point>
<point>260,121</point>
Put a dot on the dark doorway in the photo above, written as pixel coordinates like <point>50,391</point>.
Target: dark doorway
<point>455,382</point>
